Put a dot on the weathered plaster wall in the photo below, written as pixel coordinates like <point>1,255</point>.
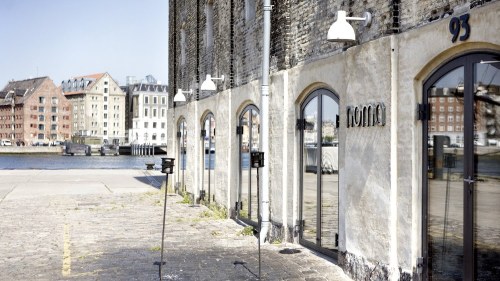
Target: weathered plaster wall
<point>380,201</point>
<point>367,152</point>
<point>413,70</point>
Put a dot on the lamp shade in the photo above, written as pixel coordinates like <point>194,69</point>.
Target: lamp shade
<point>208,84</point>
<point>179,96</point>
<point>341,30</point>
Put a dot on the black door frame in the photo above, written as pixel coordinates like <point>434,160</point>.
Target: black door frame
<point>248,219</point>
<point>181,135</point>
<point>208,116</point>
<point>467,61</point>
<point>316,93</point>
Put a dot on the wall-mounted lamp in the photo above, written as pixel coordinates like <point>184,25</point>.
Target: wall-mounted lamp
<point>208,84</point>
<point>342,31</point>
<point>180,95</point>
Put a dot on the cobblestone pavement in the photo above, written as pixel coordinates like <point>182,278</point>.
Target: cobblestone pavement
<point>115,234</point>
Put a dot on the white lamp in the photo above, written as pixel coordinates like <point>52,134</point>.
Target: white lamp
<point>180,95</point>
<point>208,84</point>
<point>342,31</point>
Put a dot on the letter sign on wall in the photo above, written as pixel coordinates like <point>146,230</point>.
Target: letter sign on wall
<point>457,23</point>
<point>368,115</point>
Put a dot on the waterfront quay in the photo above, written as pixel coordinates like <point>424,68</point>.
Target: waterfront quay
<point>28,150</point>
<point>104,224</point>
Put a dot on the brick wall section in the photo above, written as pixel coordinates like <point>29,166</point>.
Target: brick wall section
<point>298,34</point>
<point>172,50</point>
<point>31,130</point>
<point>27,116</point>
<point>415,13</point>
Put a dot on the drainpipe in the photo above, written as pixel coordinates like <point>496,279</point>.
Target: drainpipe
<point>265,120</point>
<point>393,220</point>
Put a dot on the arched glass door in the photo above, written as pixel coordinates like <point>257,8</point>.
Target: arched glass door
<point>461,198</point>
<point>249,130</point>
<point>208,139</point>
<point>319,171</point>
<point>181,144</point>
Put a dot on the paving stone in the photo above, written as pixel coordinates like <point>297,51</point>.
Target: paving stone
<point>117,236</point>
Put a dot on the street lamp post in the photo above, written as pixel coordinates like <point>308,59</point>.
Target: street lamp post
<point>257,161</point>
<point>167,167</point>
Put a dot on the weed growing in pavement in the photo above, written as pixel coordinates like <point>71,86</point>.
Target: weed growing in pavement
<point>155,249</point>
<point>206,214</point>
<point>186,198</point>
<point>216,233</point>
<point>215,212</point>
<point>219,211</point>
<point>246,231</point>
<point>276,241</point>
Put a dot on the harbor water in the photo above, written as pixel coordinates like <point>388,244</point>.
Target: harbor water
<point>61,162</point>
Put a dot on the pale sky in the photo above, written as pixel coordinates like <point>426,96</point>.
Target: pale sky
<point>67,38</point>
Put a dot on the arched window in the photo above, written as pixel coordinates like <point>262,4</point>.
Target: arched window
<point>181,155</point>
<point>210,24</point>
<point>319,132</point>
<point>208,139</point>
<point>249,10</point>
<point>183,45</point>
<point>249,131</point>
<point>461,171</point>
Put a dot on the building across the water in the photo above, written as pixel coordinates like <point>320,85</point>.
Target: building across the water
<point>34,112</point>
<point>98,105</point>
<point>382,152</point>
<point>146,112</point>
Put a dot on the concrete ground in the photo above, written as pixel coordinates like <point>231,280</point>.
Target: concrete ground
<point>107,225</point>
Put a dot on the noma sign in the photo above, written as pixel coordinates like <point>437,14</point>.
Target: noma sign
<point>368,115</point>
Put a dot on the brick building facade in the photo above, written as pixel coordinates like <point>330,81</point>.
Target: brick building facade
<point>353,170</point>
<point>34,111</point>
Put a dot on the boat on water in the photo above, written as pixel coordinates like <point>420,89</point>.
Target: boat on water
<point>109,149</point>
<point>77,149</point>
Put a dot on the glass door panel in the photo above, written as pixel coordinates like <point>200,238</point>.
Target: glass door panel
<point>254,146</point>
<point>250,141</point>
<point>182,138</point>
<point>311,170</point>
<point>209,156</point>
<point>445,177</point>
<point>245,165</point>
<point>329,173</point>
<point>211,160</point>
<point>487,171</point>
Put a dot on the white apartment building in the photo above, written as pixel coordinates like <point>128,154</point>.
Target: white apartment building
<point>98,107</point>
<point>147,113</point>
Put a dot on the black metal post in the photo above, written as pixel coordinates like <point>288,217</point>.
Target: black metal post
<point>259,216</point>
<point>163,230</point>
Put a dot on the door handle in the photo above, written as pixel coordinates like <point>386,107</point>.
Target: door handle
<point>469,180</point>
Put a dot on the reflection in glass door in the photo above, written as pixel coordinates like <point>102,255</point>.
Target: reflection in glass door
<point>486,199</point>
<point>445,174</point>
<point>208,140</point>
<point>249,130</point>
<point>181,144</point>
<point>319,175</point>
<point>461,194</point>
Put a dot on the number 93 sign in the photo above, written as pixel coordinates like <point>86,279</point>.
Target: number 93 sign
<point>458,23</point>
